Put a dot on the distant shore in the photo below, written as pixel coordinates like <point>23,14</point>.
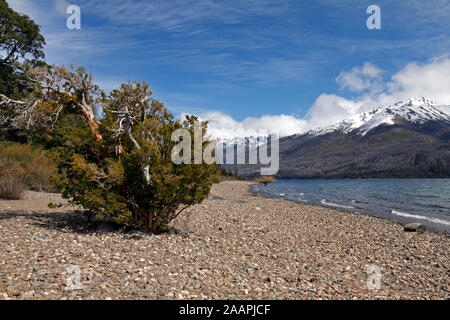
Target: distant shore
<point>236,245</point>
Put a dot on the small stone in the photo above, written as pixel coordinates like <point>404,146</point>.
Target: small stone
<point>12,291</point>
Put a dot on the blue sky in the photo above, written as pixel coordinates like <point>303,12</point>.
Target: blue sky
<point>247,64</point>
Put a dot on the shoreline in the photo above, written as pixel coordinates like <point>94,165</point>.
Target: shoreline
<point>234,245</point>
<point>356,211</point>
<point>343,210</point>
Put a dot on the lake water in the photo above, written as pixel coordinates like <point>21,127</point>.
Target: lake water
<point>406,200</point>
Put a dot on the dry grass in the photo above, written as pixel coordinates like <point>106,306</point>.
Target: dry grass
<point>11,188</point>
<point>265,179</point>
<point>23,167</point>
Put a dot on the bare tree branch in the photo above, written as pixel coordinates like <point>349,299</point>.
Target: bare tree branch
<point>56,85</point>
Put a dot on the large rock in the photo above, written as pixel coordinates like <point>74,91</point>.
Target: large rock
<point>415,227</point>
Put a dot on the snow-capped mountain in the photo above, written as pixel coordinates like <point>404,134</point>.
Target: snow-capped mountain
<point>407,139</point>
<point>413,110</point>
<point>250,142</point>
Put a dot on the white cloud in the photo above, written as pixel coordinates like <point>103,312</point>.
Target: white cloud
<point>329,109</point>
<point>360,78</point>
<point>225,127</point>
<point>430,80</point>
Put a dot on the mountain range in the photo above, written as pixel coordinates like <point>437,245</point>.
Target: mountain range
<point>408,139</point>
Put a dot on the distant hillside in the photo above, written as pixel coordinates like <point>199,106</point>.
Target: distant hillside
<point>405,140</point>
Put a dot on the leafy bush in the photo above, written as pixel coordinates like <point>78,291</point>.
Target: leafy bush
<point>22,167</point>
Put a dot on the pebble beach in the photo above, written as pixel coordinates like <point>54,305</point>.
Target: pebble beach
<point>235,245</point>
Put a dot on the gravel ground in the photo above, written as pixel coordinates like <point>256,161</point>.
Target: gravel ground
<point>233,246</point>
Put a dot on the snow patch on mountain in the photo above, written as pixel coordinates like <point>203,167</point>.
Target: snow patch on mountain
<point>251,142</point>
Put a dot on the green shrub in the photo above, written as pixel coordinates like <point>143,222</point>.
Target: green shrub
<point>108,176</point>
